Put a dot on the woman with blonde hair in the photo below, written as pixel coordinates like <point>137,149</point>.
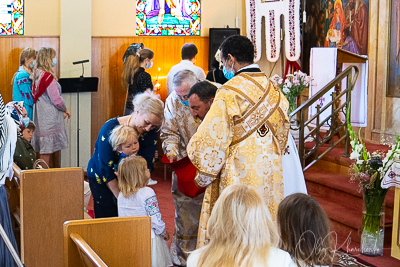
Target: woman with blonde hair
<point>241,233</point>
<point>147,117</point>
<point>22,81</point>
<point>49,110</point>
<point>134,77</point>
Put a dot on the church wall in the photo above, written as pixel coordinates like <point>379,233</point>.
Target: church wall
<point>42,18</point>
<point>383,111</point>
<point>118,18</point>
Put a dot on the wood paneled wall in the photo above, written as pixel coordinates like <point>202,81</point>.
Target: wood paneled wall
<point>10,50</point>
<point>107,63</point>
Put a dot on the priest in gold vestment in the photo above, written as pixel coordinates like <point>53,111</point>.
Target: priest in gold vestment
<point>243,136</point>
<point>178,127</point>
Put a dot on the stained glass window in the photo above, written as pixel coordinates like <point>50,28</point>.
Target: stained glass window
<point>11,17</point>
<point>167,17</point>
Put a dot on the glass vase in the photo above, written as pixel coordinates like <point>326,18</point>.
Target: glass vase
<point>373,222</point>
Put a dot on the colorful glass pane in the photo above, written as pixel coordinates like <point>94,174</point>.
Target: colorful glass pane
<point>168,17</point>
<point>11,17</point>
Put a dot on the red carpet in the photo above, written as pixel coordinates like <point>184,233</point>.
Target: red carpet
<point>164,197</point>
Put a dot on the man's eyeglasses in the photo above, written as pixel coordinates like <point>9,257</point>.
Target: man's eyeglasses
<point>183,98</point>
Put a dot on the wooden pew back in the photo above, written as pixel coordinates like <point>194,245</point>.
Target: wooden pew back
<point>48,198</point>
<point>124,241</point>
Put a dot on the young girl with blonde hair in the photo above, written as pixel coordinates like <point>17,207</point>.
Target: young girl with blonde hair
<point>241,233</point>
<point>136,199</point>
<point>49,110</point>
<point>305,231</point>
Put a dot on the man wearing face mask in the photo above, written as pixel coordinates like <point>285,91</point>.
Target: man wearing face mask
<point>178,127</point>
<point>243,136</point>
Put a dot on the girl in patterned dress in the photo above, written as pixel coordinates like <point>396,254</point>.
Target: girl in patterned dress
<point>137,200</point>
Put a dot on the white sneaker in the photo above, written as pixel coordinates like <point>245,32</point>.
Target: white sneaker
<point>151,182</point>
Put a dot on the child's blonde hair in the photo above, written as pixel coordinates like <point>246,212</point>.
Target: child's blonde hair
<point>122,134</point>
<point>239,229</point>
<point>132,175</point>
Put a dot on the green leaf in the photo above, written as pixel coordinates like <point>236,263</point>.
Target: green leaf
<point>356,169</point>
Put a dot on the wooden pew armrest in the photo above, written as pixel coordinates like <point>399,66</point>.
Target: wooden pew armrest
<point>88,255</point>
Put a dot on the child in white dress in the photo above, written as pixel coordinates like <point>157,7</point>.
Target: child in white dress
<point>138,200</point>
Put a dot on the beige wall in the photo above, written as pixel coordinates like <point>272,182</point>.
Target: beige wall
<point>42,18</point>
<point>76,45</point>
<point>111,19</point>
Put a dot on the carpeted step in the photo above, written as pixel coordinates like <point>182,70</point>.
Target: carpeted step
<point>336,187</point>
<point>336,154</point>
<point>345,220</point>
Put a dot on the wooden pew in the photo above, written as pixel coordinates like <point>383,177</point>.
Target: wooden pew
<point>13,193</point>
<point>48,198</point>
<point>119,241</point>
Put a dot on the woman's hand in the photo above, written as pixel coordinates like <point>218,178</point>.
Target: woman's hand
<point>67,113</point>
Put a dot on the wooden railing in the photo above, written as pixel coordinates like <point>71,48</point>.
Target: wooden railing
<point>311,156</point>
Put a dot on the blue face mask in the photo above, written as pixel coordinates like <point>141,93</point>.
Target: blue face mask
<point>228,74</point>
<point>26,122</point>
<point>33,64</point>
<point>149,66</point>
<point>54,62</point>
<point>186,103</point>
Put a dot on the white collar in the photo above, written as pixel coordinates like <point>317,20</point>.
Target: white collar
<point>251,66</point>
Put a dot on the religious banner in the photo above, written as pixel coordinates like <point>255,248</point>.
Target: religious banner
<point>272,11</point>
